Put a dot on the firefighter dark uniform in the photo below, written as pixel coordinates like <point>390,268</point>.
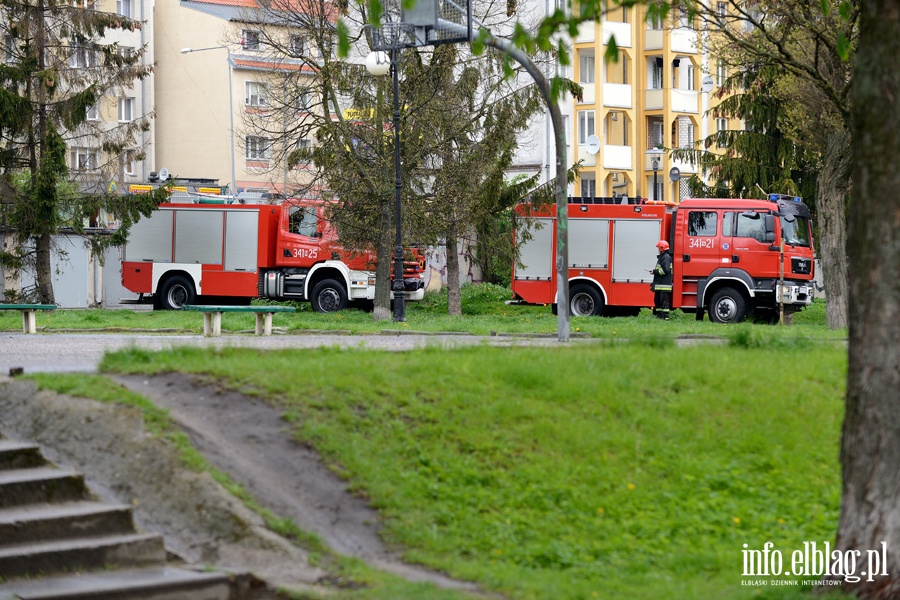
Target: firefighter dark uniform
<point>662,281</point>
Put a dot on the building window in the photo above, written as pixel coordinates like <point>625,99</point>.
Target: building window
<point>82,159</point>
<point>126,52</point>
<point>256,94</point>
<point>129,158</point>
<point>126,110</point>
<point>585,125</point>
<point>690,76</point>
<point>304,99</point>
<point>123,7</point>
<point>688,131</point>
<point>656,73</point>
<point>9,49</point>
<point>257,148</point>
<point>250,39</point>
<point>297,46</point>
<point>654,20</point>
<point>83,3</point>
<point>586,68</point>
<point>588,188</point>
<point>721,74</point>
<point>683,18</point>
<point>93,113</point>
<point>82,56</point>
<point>722,12</point>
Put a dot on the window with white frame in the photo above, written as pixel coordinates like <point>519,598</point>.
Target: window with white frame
<point>588,188</point>
<point>256,94</point>
<point>654,20</point>
<point>690,75</point>
<point>82,159</point>
<point>83,3</point>
<point>129,158</point>
<point>683,18</point>
<point>123,7</point>
<point>297,46</point>
<point>126,110</point>
<point>93,113</point>
<point>257,148</point>
<point>250,39</point>
<point>566,128</point>
<point>721,74</point>
<point>126,52</point>
<point>687,131</point>
<point>721,128</point>
<point>304,99</point>
<point>722,12</point>
<point>9,49</point>
<point>586,68</point>
<point>585,125</point>
<point>83,56</point>
<point>656,73</point>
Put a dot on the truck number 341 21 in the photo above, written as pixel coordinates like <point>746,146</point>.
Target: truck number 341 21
<point>703,242</point>
<point>305,253</point>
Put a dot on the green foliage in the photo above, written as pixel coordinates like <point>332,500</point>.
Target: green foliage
<point>584,471</point>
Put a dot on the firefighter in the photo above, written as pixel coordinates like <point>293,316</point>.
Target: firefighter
<point>662,281</point>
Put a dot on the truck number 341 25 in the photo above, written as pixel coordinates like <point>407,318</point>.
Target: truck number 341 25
<point>703,242</point>
<point>305,253</point>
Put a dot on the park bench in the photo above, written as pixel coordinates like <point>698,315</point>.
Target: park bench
<point>212,316</point>
<point>28,311</point>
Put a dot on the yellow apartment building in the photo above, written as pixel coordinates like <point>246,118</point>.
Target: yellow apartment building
<point>636,110</point>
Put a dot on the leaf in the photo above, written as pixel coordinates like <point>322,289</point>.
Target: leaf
<point>343,39</point>
<point>843,47</point>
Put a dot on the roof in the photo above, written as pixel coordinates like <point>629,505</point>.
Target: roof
<point>269,65</point>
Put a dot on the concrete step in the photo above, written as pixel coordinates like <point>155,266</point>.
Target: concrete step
<point>163,583</point>
<point>40,484</point>
<point>82,554</point>
<point>19,455</point>
<point>64,520</point>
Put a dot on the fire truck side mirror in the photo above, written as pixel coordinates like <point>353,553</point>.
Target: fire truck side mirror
<point>769,225</point>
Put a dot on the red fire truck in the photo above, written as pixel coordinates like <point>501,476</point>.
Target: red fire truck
<point>732,258</point>
<point>220,253</point>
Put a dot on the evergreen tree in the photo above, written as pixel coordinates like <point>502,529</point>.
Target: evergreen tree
<point>59,67</point>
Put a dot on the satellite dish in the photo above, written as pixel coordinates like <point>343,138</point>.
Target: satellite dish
<point>674,174</point>
<point>164,174</point>
<point>706,85</point>
<point>592,144</point>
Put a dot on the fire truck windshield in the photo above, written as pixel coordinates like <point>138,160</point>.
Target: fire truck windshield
<point>795,230</point>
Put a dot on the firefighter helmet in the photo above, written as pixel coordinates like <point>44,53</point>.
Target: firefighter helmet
<point>663,245</point>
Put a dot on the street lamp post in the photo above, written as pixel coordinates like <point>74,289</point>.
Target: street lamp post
<point>655,157</point>
<point>375,64</point>
<point>230,105</point>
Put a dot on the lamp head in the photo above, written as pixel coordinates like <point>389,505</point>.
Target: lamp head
<point>378,63</point>
<point>186,50</point>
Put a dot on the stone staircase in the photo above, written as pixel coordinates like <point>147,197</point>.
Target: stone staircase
<point>59,542</point>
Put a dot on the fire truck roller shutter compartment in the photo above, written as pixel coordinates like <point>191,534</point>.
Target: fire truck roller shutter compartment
<point>589,243</point>
<point>537,253</point>
<point>143,241</point>
<point>198,236</point>
<point>634,249</point>
<point>241,240</point>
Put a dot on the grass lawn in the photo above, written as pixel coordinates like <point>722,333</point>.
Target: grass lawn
<point>610,470</point>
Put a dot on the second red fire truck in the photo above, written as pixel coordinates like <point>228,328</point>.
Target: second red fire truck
<point>731,258</point>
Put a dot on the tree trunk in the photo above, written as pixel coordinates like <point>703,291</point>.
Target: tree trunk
<point>870,446</point>
<point>454,300</point>
<point>383,253</point>
<point>831,206</point>
<point>44,270</point>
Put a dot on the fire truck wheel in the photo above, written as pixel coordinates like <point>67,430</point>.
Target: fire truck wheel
<point>728,305</point>
<point>329,296</point>
<point>176,292</point>
<point>584,301</point>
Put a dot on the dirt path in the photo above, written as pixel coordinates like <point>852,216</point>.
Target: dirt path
<point>247,439</point>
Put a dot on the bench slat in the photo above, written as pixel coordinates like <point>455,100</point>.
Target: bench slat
<point>244,309</point>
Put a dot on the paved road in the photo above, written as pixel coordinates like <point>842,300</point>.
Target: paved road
<point>82,352</point>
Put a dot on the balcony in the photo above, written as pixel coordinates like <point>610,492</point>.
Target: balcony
<point>654,99</point>
<point>617,95</point>
<point>653,39</point>
<point>685,166</point>
<point>586,32</point>
<point>617,158</point>
<point>589,93</point>
<point>684,40</point>
<point>685,101</point>
<point>621,31</point>
<point>587,159</point>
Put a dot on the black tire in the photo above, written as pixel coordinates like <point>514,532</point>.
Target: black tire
<point>329,296</point>
<point>585,301</point>
<point>175,293</point>
<point>728,305</point>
